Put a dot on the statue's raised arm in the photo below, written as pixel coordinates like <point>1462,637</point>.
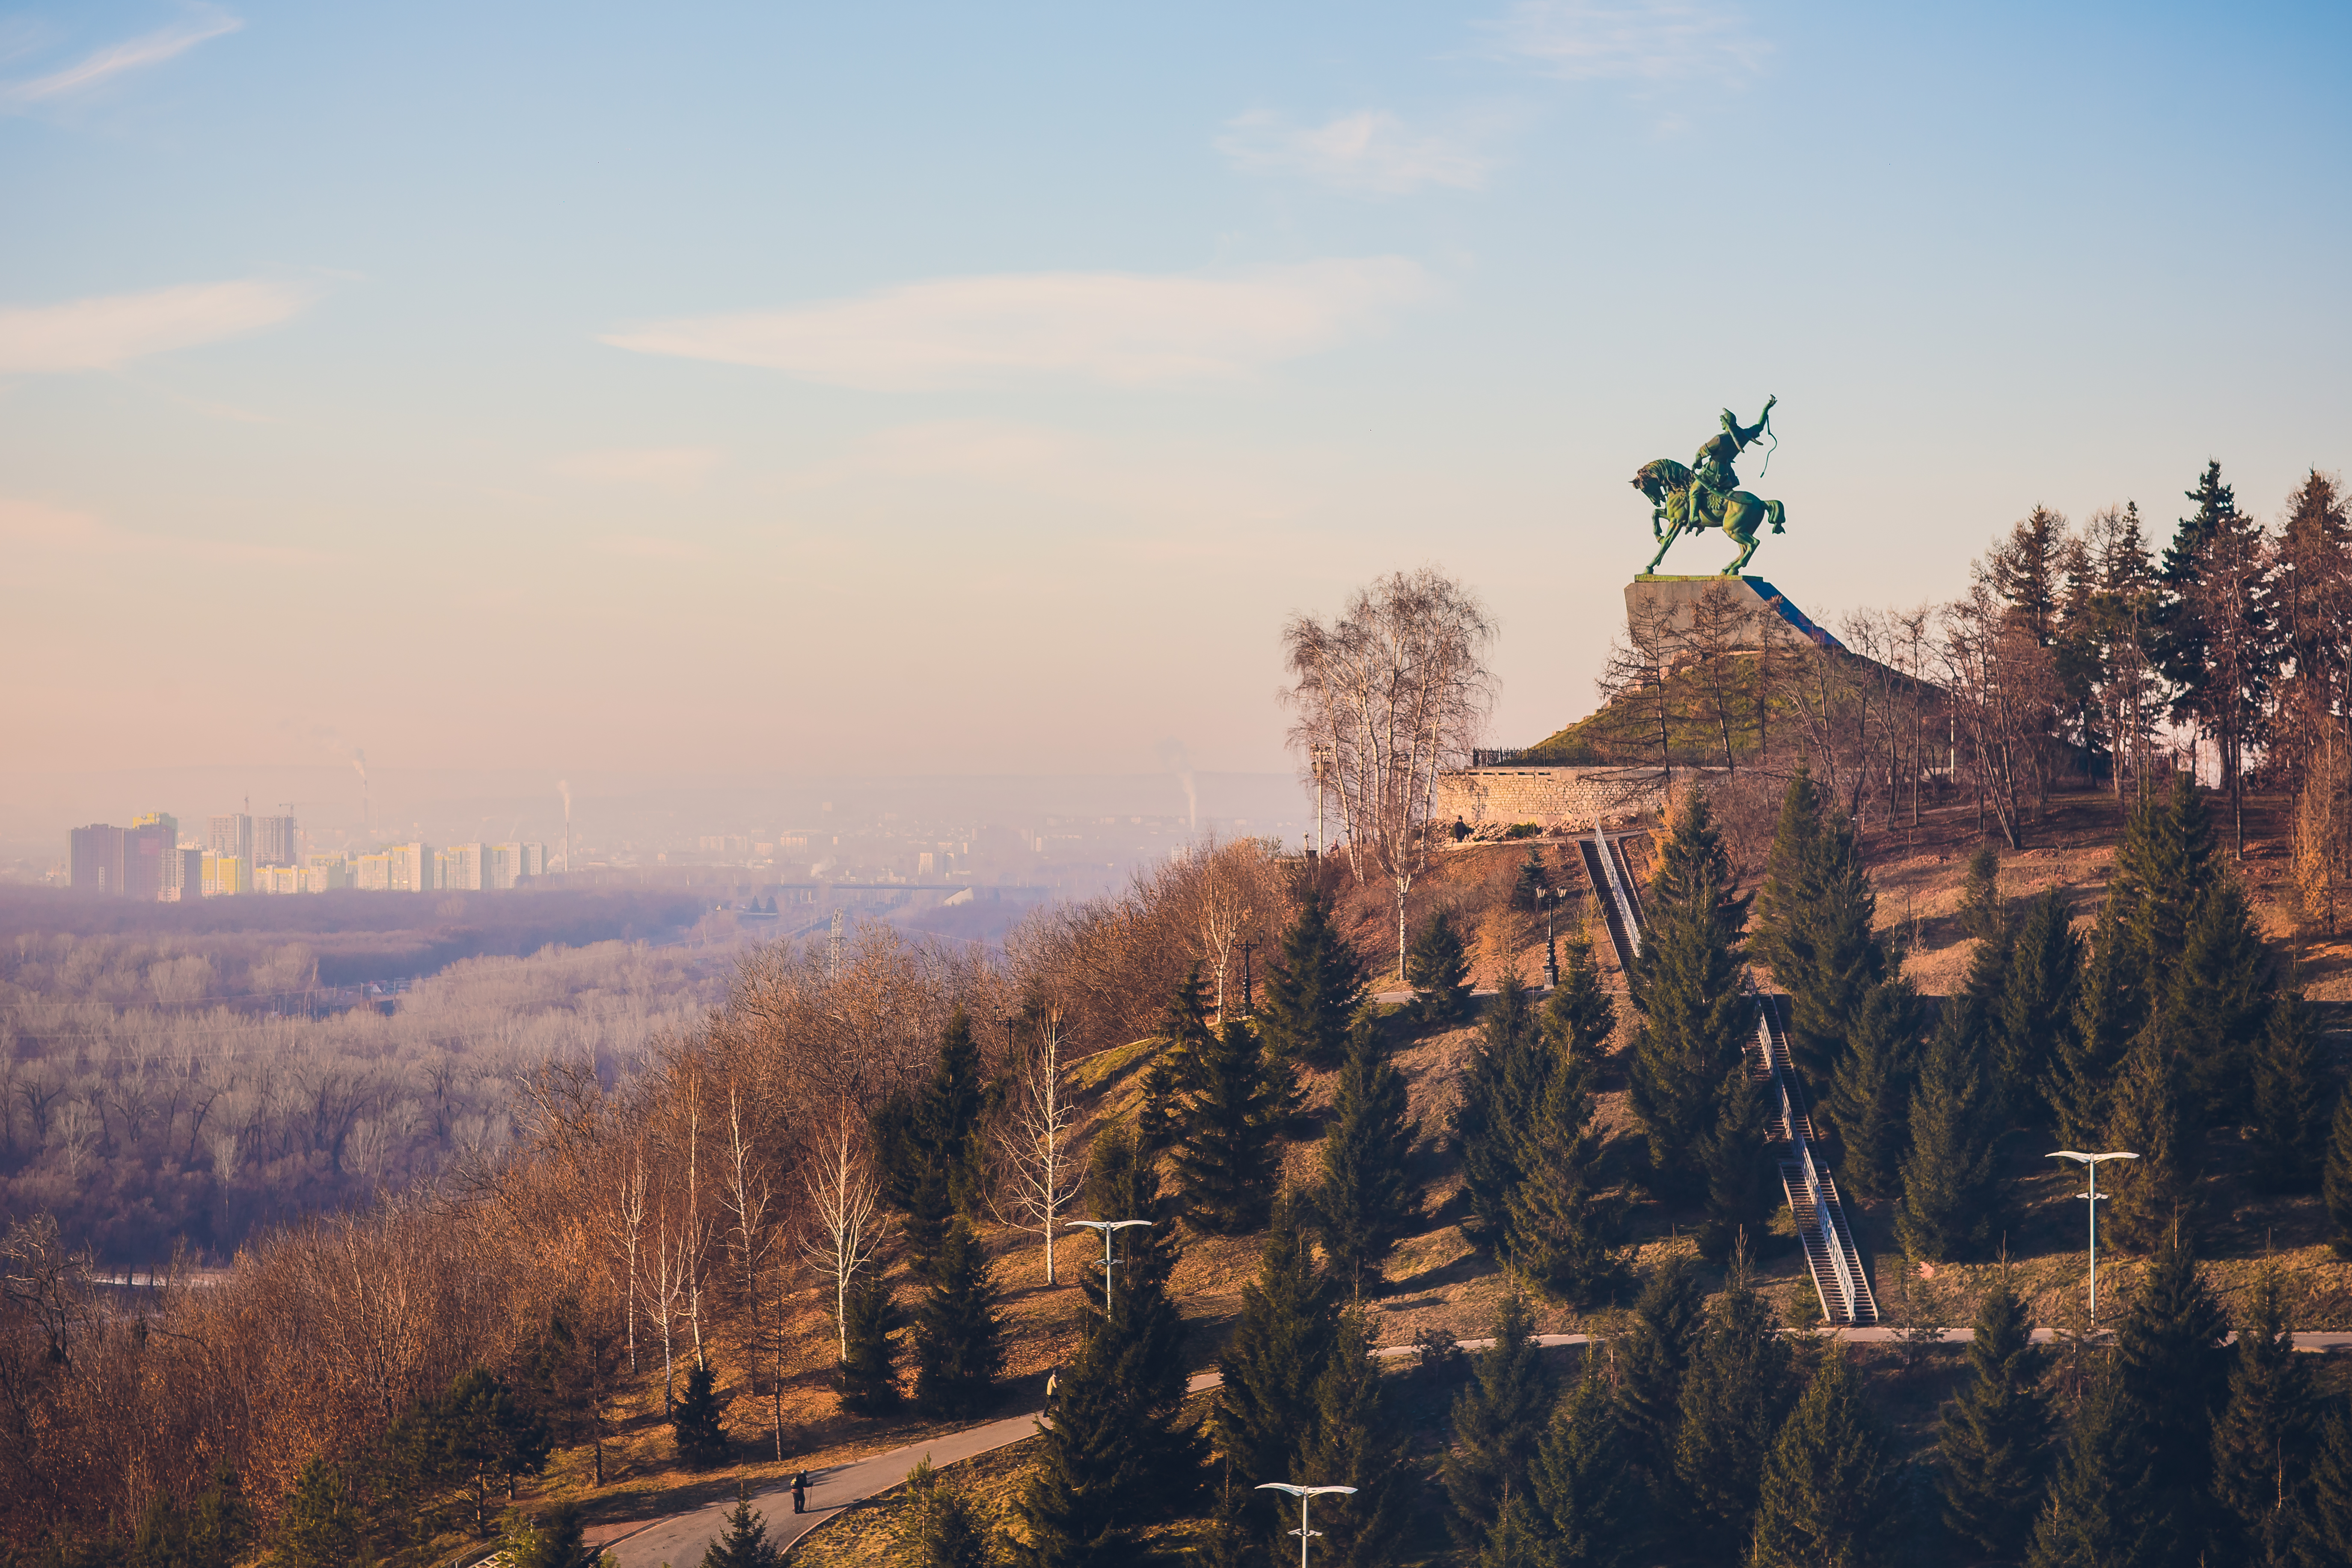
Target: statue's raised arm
<point>1744,433</point>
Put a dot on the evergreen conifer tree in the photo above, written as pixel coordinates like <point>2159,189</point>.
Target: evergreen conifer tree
<point>557,1539</point>
<point>483,1434</point>
<point>958,1341</point>
<point>1580,1484</point>
<point>1558,1223</point>
<point>2220,1002</point>
<point>1696,1019</point>
<point>2331,1484</point>
<point>2167,861</point>
<point>1828,1492</point>
<point>1184,1032</point>
<point>1501,1093</point>
<point>2336,1182</point>
<point>1264,1410</point>
<point>694,1420</point>
<point>2103,1503</point>
<point>2037,1006</point>
<point>1227,1152</point>
<point>941,1529</point>
<point>1368,1195</point>
<point>869,1377</point>
<point>1315,988</point>
<point>1533,879</point>
<point>2152,1200</point>
<point>928,1141</point>
<point>2168,1347</point>
<point>2079,1087</point>
<point>1498,1422</point>
<point>1579,1017</point>
<point>320,1527</point>
<point>1813,916</point>
<point>211,1531</point>
<point>1984,917</point>
<point>1740,1191</point>
<point>1733,1398</point>
<point>2291,1102</point>
<point>745,1544</point>
<point>1950,1191</point>
<point>1869,1110</point>
<point>1357,1443</point>
<point>1438,970</point>
<point>1668,1320</point>
<point>2265,1441</point>
<point>1994,1433</point>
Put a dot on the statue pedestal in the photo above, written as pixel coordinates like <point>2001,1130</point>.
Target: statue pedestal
<point>1769,616</point>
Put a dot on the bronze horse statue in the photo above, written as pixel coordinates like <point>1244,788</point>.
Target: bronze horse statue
<point>1688,499</point>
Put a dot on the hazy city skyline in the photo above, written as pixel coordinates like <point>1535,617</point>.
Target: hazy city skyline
<point>921,391</point>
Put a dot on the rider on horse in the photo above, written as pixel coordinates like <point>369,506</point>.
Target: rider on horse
<point>1712,466</point>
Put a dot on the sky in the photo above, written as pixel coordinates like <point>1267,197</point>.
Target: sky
<point>793,390</point>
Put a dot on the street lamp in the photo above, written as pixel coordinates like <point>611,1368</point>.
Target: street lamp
<point>1107,1227</point>
<point>1302,1494</point>
<point>2090,1163</point>
<point>1550,898</point>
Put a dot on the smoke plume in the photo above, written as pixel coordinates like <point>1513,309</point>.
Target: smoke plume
<point>1173,758</point>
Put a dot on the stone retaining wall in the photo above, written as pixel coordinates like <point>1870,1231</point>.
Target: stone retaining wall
<point>1557,797</point>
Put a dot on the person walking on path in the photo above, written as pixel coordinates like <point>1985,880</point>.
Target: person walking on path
<point>800,1491</point>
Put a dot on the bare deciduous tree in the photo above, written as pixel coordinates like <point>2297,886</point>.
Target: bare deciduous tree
<point>749,1199</point>
<point>1035,1144</point>
<point>842,1193</point>
<point>1397,689</point>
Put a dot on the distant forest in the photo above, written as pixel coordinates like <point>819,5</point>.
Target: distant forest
<point>191,1073</point>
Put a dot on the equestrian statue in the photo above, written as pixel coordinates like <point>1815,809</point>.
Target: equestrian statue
<point>1706,494</point>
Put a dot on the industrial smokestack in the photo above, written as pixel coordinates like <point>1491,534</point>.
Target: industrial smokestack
<point>563,787</point>
<point>367,813</point>
<point>1173,758</point>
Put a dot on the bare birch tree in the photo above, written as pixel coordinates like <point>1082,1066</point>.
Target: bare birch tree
<point>842,1193</point>
<point>1037,1142</point>
<point>749,1198</point>
<point>1397,689</point>
<point>629,1225</point>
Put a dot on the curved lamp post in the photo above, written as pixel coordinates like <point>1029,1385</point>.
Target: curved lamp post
<point>1302,1494</point>
<point>1107,1227</point>
<point>2090,1163</point>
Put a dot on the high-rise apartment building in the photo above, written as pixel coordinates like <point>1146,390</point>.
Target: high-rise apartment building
<point>466,867</point>
<point>231,832</point>
<point>226,874</point>
<point>329,872</point>
<point>510,863</point>
<point>187,874</point>
<point>410,869</point>
<point>275,841</point>
<point>146,864</point>
<point>94,858</point>
<point>372,873</point>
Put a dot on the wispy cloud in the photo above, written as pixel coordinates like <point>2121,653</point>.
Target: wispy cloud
<point>110,330</point>
<point>31,526</point>
<point>674,466</point>
<point>1369,150</point>
<point>1119,328</point>
<point>1649,40</point>
<point>132,54</point>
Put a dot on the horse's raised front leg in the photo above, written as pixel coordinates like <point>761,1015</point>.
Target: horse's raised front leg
<point>1664,545</point>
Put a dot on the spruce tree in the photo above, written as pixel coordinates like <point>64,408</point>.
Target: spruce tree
<point>1813,916</point>
<point>1264,1410</point>
<point>1829,1487</point>
<point>1438,970</point>
<point>1741,1191</point>
<point>693,1421</point>
<point>2336,1182</point>
<point>2101,1511</point>
<point>869,1377</point>
<point>1668,1320</point>
<point>1994,1433</point>
<point>319,1526</point>
<point>211,1531</point>
<point>1558,1224</point>
<point>1498,1421</point>
<point>1533,880</point>
<point>745,1544</point>
<point>1315,988</point>
<point>928,1141</point>
<point>2151,1200</point>
<point>2037,1006</point>
<point>2291,1102</point>
<point>2079,1087</point>
<point>486,1435</point>
<point>2168,1346</point>
<point>1184,1032</point>
<point>1984,917</point>
<point>557,1539</point>
<point>1869,1110</point>
<point>2167,858</point>
<point>1581,1483</point>
<point>1950,1191</point>
<point>2265,1440</point>
<point>1227,1153</point>
<point>1579,1017</point>
<point>1502,1092</point>
<point>2331,1484</point>
<point>2220,1001</point>
<point>1358,1442</point>
<point>941,1529</point>
<point>959,1340</point>
<point>1733,1398</point>
<point>1367,1197</point>
<point>1695,1018</point>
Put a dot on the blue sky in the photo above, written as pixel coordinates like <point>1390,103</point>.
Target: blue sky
<point>790,389</point>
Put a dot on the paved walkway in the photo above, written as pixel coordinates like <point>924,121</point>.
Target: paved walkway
<point>680,1538</point>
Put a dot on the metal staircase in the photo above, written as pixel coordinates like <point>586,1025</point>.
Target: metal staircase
<point>1821,1225</point>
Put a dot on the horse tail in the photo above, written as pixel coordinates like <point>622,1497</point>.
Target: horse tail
<point>1774,514</point>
